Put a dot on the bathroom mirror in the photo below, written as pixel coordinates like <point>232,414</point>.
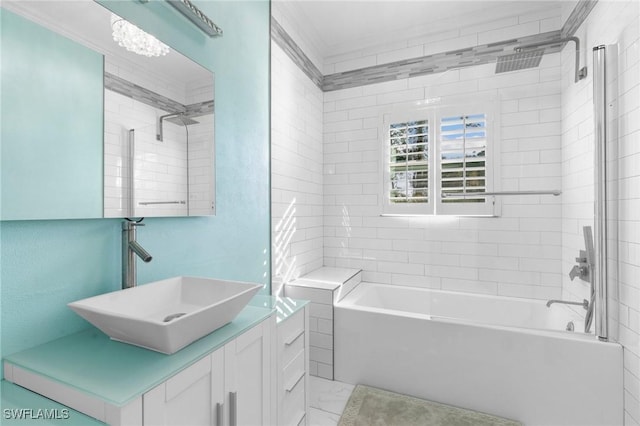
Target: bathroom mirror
<point>158,122</point>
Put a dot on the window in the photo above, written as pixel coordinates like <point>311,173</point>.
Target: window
<point>437,159</point>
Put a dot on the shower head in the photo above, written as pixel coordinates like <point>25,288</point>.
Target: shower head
<point>529,56</point>
<point>181,120</point>
<point>175,118</point>
<point>519,60</point>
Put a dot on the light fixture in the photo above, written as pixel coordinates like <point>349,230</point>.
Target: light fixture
<point>195,15</point>
<point>135,40</point>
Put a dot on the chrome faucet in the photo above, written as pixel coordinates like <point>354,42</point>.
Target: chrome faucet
<point>584,303</point>
<point>130,249</point>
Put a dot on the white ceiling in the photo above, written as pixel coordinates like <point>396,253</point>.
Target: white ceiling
<point>336,27</point>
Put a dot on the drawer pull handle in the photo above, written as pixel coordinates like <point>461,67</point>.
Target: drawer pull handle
<point>290,388</point>
<point>233,409</point>
<point>294,338</point>
<point>219,411</point>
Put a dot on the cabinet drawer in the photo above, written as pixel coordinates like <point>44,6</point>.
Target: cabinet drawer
<point>293,405</point>
<point>291,335</point>
<point>293,372</point>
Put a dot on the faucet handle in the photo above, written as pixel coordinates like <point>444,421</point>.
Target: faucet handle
<point>129,224</point>
<point>575,272</point>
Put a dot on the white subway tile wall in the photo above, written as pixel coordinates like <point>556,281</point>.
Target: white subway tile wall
<point>201,152</point>
<point>617,25</point>
<point>160,172</point>
<point>296,170</point>
<point>479,255</point>
<point>320,327</point>
<point>547,143</point>
<point>160,167</point>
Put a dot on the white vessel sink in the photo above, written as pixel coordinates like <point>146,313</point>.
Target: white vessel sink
<point>167,315</point>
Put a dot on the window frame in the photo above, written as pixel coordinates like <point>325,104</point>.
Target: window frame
<point>433,112</point>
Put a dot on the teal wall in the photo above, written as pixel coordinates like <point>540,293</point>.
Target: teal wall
<point>46,264</point>
<point>52,98</point>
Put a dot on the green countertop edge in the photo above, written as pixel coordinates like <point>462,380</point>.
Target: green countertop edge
<point>19,399</point>
<point>117,373</point>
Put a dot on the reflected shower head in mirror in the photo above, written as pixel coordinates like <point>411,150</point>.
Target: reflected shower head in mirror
<point>182,120</point>
<point>175,118</point>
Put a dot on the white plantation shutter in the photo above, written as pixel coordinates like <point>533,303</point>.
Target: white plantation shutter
<point>409,162</point>
<point>431,152</point>
<point>463,149</point>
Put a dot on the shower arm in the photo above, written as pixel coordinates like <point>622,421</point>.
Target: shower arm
<point>580,72</point>
<point>159,129</point>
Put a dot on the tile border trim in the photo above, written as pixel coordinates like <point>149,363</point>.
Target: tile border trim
<point>430,64</point>
<point>293,51</point>
<point>126,88</point>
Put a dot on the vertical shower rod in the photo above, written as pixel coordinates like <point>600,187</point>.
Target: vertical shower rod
<point>600,184</point>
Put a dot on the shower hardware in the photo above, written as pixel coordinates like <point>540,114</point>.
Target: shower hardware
<point>599,282</point>
<point>173,117</point>
<point>582,269</point>
<point>554,192</point>
<point>590,258</point>
<point>584,303</point>
<point>530,55</point>
<point>519,60</point>
<point>150,203</point>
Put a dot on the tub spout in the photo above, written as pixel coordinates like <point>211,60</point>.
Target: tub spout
<point>584,303</point>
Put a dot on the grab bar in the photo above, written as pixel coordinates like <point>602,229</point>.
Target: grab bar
<point>148,203</point>
<point>554,192</point>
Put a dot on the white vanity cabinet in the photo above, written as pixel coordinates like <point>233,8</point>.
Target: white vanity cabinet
<point>231,386</point>
<point>292,371</point>
<point>252,372</point>
<point>194,396</point>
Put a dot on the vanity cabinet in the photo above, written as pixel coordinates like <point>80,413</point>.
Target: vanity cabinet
<point>194,396</point>
<point>231,387</point>
<point>252,372</point>
<point>292,371</point>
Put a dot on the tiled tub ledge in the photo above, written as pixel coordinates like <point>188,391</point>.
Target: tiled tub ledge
<point>322,287</point>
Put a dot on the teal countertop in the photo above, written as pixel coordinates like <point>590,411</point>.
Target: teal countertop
<point>117,372</point>
<point>21,407</point>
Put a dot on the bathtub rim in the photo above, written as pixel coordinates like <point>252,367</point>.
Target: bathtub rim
<point>347,303</point>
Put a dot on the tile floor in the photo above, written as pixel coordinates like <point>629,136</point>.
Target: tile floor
<point>326,401</point>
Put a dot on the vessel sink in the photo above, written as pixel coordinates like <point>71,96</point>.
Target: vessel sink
<point>167,315</point>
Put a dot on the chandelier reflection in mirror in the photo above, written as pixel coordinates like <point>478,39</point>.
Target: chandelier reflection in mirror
<point>135,40</point>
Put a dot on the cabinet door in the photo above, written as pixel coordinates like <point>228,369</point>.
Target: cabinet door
<point>248,377</point>
<point>191,397</point>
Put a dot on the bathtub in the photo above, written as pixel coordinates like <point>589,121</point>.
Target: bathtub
<point>506,356</point>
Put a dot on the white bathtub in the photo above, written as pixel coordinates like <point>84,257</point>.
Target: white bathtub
<point>505,356</point>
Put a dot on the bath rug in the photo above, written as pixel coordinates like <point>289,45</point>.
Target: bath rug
<point>369,406</point>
